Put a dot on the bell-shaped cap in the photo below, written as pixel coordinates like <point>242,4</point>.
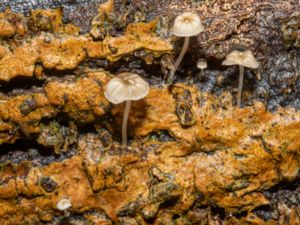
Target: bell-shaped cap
<point>64,204</point>
<point>126,86</point>
<point>241,57</point>
<point>202,64</point>
<point>187,24</point>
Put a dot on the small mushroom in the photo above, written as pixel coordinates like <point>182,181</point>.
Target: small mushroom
<point>185,25</point>
<point>201,64</point>
<point>244,58</point>
<point>63,204</point>
<point>126,87</point>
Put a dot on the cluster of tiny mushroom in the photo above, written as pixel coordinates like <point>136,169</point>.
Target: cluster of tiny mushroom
<point>131,87</point>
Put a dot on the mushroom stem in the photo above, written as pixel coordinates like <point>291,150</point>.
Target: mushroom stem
<point>201,75</point>
<point>178,60</point>
<point>124,125</point>
<point>240,88</point>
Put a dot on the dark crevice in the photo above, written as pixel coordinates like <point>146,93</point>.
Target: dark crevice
<point>69,219</point>
<point>85,129</point>
<point>152,72</point>
<point>62,118</point>
<point>240,215</point>
<point>265,212</point>
<point>20,85</point>
<point>220,212</point>
<point>23,145</point>
<point>175,216</point>
<point>285,192</point>
<point>30,150</point>
<point>58,73</point>
<point>287,185</point>
<point>161,136</point>
<point>169,202</point>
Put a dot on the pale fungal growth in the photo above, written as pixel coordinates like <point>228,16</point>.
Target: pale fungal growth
<point>201,64</point>
<point>126,87</point>
<point>63,204</point>
<point>244,58</point>
<point>185,25</point>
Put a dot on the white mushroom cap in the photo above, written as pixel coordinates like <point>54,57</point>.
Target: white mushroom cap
<point>126,86</point>
<point>63,204</point>
<point>241,57</point>
<point>187,24</point>
<point>202,64</point>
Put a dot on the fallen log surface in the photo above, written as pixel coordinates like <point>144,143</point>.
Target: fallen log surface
<point>193,156</point>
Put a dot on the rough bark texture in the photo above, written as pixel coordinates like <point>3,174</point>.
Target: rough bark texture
<point>193,157</point>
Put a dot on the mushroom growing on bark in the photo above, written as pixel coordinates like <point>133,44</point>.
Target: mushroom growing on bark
<point>126,87</point>
<point>244,58</point>
<point>201,64</point>
<point>63,204</point>
<point>185,25</point>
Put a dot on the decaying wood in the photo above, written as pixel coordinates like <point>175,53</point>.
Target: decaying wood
<point>193,157</point>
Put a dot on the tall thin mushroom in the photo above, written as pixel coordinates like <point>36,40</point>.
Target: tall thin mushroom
<point>126,87</point>
<point>185,25</point>
<point>244,58</point>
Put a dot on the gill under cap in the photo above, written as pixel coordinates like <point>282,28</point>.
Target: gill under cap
<point>243,58</point>
<point>187,24</point>
<point>126,86</point>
